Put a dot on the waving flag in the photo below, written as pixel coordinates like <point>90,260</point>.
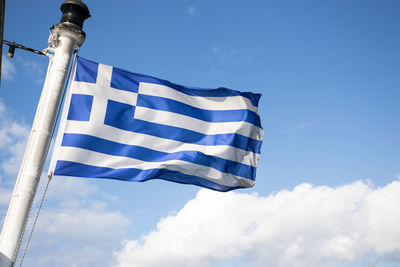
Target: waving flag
<point>122,125</point>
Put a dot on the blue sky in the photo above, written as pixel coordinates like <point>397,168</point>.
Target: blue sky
<point>327,188</point>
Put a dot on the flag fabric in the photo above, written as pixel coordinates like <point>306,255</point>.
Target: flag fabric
<point>122,125</point>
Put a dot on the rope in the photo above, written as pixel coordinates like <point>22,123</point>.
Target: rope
<point>50,175</point>
<point>36,218</point>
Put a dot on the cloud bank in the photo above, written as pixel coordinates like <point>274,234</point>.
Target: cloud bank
<point>308,226</point>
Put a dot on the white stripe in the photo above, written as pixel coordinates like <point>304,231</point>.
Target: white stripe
<point>117,162</point>
<point>208,103</point>
<point>160,144</point>
<point>209,128</point>
<point>105,93</point>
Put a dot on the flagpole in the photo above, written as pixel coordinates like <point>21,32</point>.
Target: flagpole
<point>64,38</point>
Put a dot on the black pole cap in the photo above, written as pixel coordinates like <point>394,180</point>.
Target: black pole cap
<point>74,11</point>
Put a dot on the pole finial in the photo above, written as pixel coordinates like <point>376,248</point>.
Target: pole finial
<point>75,12</point>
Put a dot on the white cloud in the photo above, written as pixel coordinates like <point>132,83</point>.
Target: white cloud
<point>13,138</point>
<point>309,226</point>
<point>221,57</point>
<point>68,188</point>
<point>296,128</point>
<point>75,227</point>
<point>215,50</point>
<point>7,69</point>
<point>76,236</point>
<point>191,10</point>
<point>25,67</point>
<point>5,196</point>
<point>32,68</point>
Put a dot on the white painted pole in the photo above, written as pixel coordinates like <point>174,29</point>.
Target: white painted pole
<point>65,36</point>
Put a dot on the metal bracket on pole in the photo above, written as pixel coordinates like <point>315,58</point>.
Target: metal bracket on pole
<point>65,37</point>
<point>13,45</point>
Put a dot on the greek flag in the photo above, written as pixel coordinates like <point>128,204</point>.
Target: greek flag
<point>126,126</point>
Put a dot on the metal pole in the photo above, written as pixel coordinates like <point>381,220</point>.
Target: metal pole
<point>63,39</point>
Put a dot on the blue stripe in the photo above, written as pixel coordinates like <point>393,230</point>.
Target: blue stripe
<point>120,115</point>
<point>145,154</point>
<point>161,103</point>
<point>122,81</point>
<point>119,76</point>
<point>68,168</point>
